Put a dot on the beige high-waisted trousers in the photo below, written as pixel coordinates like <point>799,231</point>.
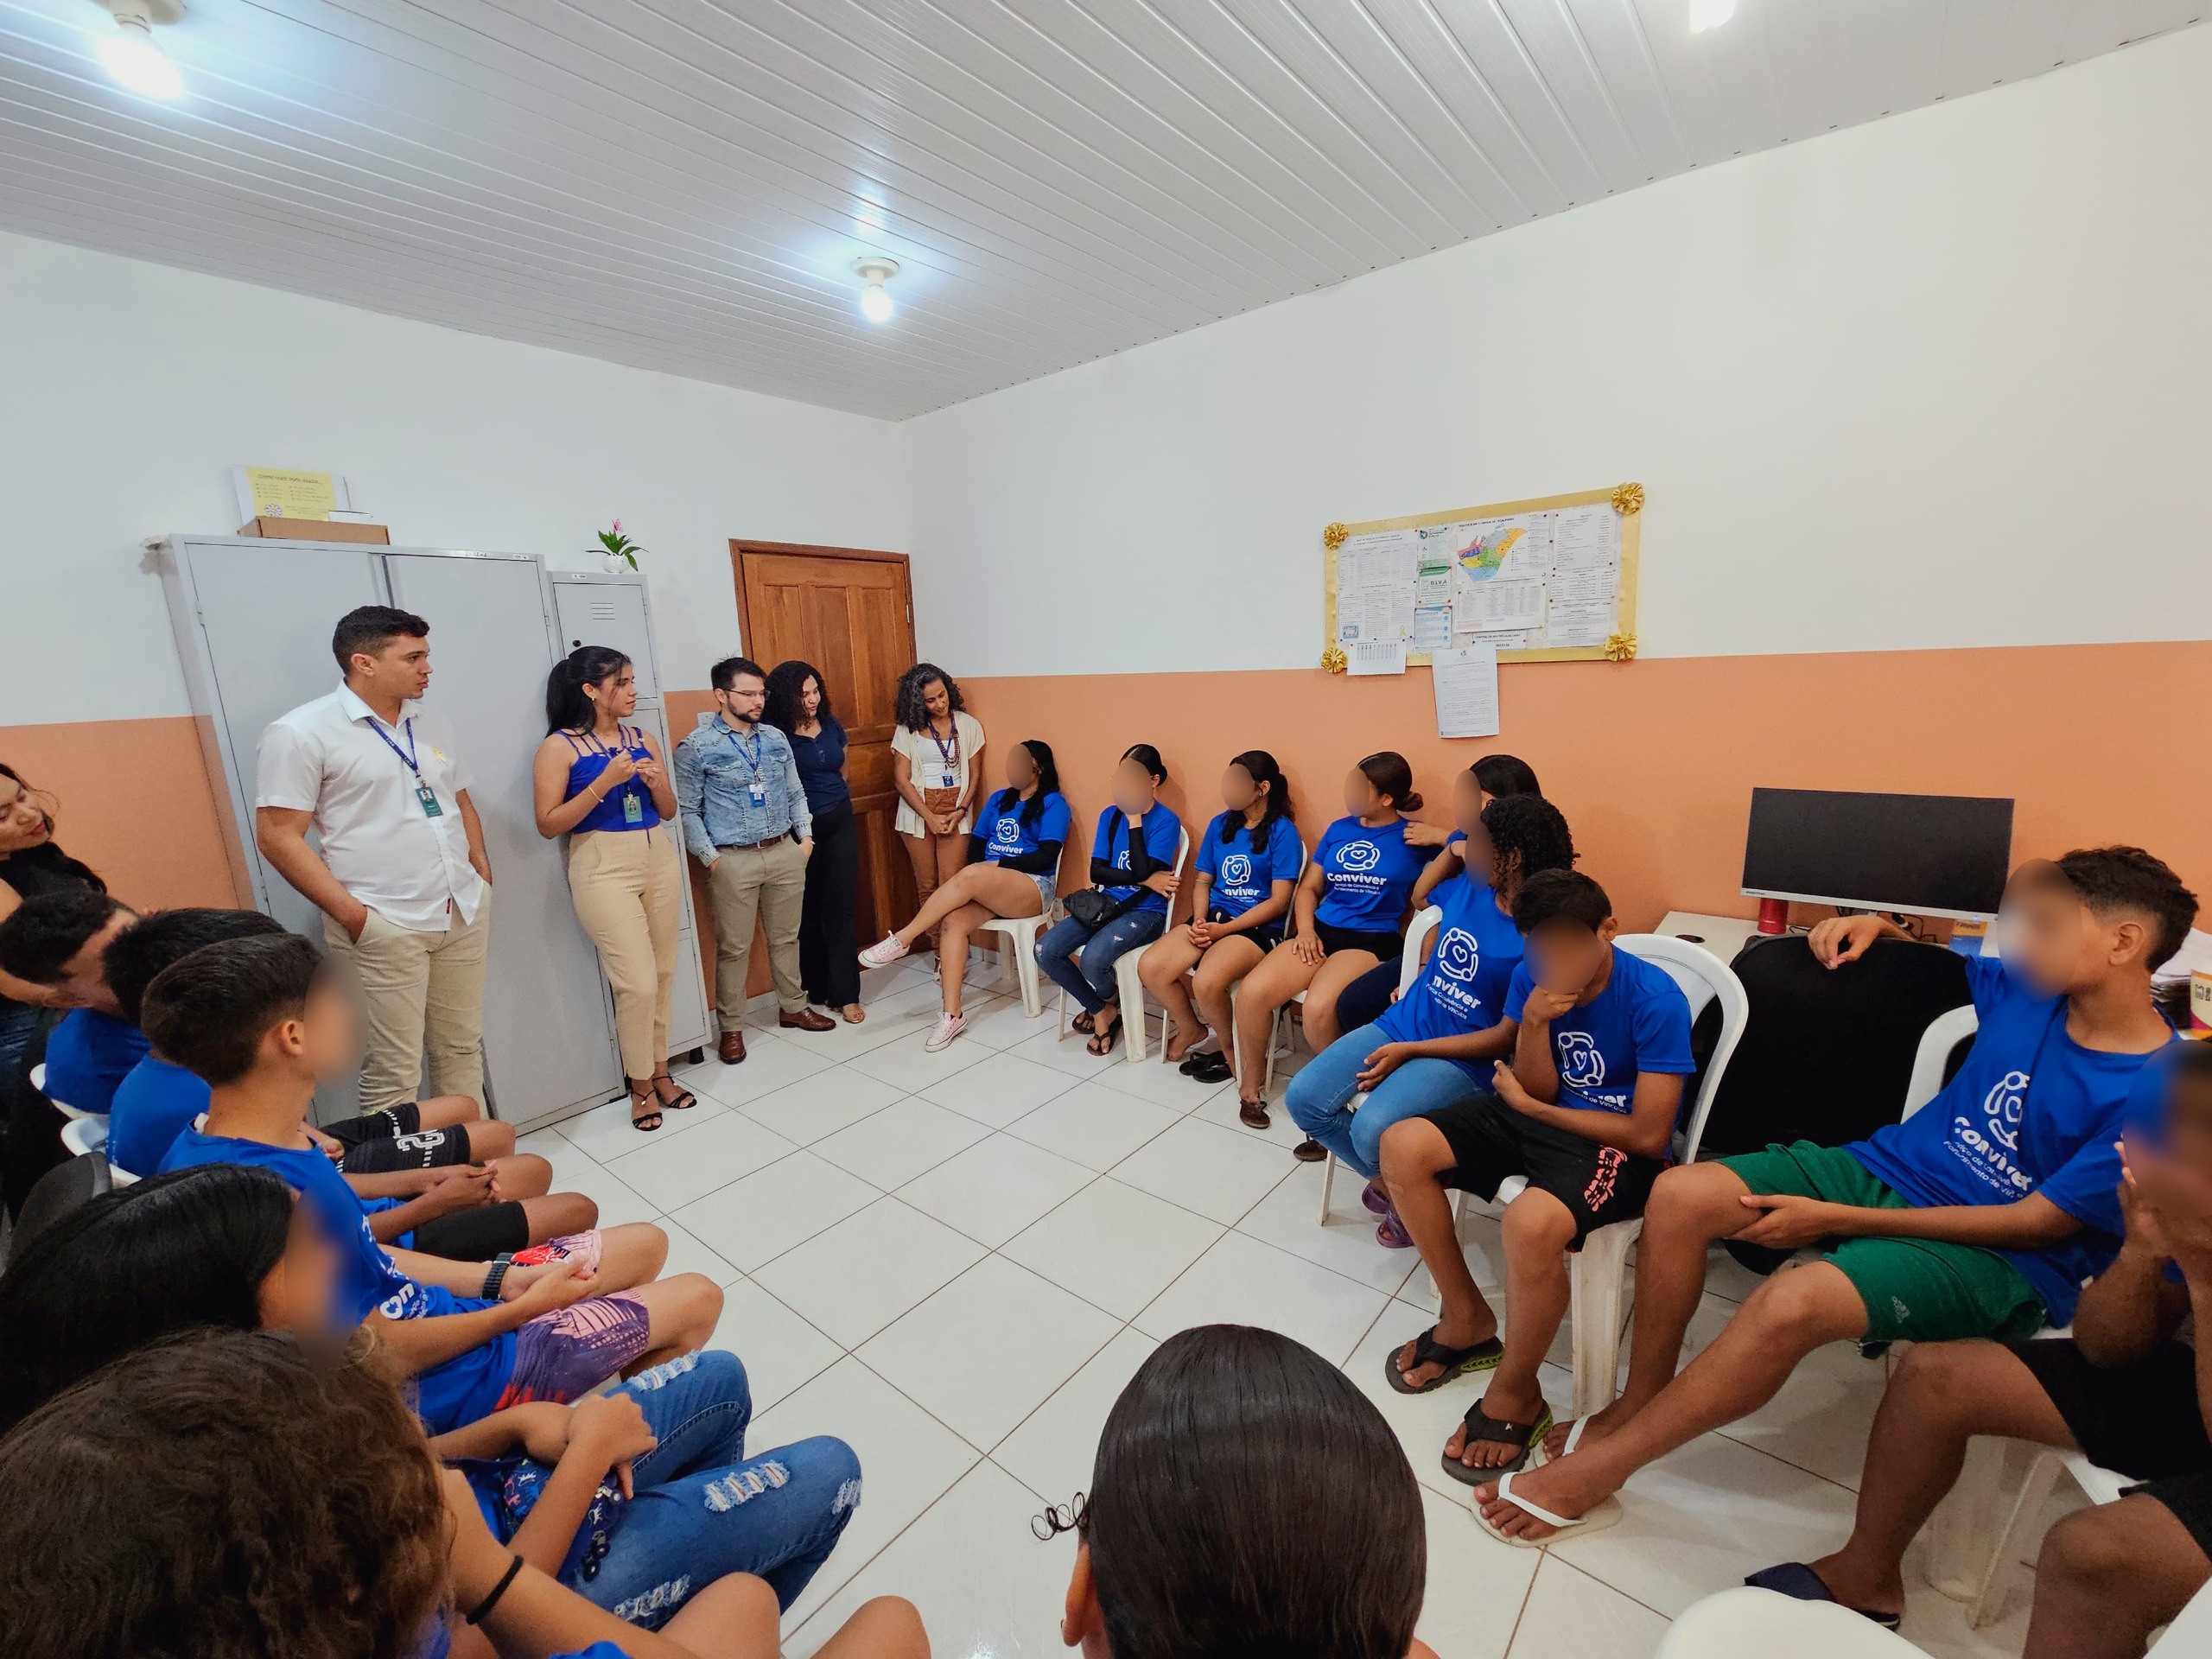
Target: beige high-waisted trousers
<point>627,888</point>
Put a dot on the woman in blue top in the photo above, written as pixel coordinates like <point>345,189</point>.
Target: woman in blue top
<point>1350,910</point>
<point>1013,870</point>
<point>1247,863</point>
<point>1134,859</point>
<point>798,705</point>
<point>1437,1042</point>
<point>604,785</point>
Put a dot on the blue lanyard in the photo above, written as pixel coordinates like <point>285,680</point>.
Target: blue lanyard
<point>407,754</point>
<point>753,759</point>
<point>948,752</point>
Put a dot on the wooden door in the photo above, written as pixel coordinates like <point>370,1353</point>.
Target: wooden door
<point>851,614</point>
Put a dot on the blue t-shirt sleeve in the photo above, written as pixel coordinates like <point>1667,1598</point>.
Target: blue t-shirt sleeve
<point>1517,989</point>
<point>1209,860</point>
<point>2086,1185</point>
<point>1661,1025</point>
<point>1052,822</point>
<point>1988,982</point>
<point>1163,836</point>
<point>1285,850</point>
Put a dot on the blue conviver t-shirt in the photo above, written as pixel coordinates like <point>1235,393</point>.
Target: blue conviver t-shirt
<point>87,1057</point>
<point>999,825</point>
<point>154,1104</point>
<point>1463,986</point>
<point>465,1388</point>
<point>2030,1112</point>
<point>1367,874</point>
<point>1163,838</point>
<point>1244,874</point>
<point>1639,1022</point>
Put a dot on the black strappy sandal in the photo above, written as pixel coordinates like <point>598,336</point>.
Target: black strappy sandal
<point>1083,1022</point>
<point>644,1122</point>
<point>1456,1362</point>
<point>684,1101</point>
<point>1800,1583</point>
<point>1101,1042</point>
<point>1481,1426</point>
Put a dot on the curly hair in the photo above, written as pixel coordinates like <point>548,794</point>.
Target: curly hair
<point>912,714</point>
<point>786,685</point>
<point>220,1495</point>
<point>1530,835</point>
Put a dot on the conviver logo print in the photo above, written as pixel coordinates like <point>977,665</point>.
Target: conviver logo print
<point>1235,870</point>
<point>1580,1064</point>
<point>1986,1148</point>
<point>1357,856</point>
<point>1457,957</point>
<point>1008,833</point>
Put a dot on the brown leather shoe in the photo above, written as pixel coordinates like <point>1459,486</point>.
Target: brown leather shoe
<point>805,1020</point>
<point>732,1048</point>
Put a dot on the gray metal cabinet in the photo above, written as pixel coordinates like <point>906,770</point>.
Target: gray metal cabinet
<point>252,621</point>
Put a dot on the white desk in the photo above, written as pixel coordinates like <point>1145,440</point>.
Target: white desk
<point>1722,935</point>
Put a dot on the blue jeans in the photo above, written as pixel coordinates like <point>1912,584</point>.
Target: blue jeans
<point>1080,961</point>
<point>1318,1095</point>
<point>703,1510</point>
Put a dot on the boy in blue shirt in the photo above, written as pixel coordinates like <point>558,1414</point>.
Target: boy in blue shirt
<point>2123,1390</point>
<point>56,939</point>
<point>260,1021</point>
<point>1977,1216</point>
<point>1584,1112</point>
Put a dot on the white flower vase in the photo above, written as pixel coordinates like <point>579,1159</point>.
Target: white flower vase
<point>615,563</point>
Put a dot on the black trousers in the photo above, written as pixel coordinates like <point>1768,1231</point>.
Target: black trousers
<point>828,955</point>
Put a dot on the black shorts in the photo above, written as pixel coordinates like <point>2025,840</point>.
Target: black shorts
<point>1388,946</point>
<point>1489,1140</point>
<point>1266,936</point>
<point>383,1143</point>
<point>475,1235</point>
<point>2142,1420</point>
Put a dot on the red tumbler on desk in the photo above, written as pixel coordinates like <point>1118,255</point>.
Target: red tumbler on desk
<point>1774,915</point>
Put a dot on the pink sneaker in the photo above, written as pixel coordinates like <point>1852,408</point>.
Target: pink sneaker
<point>949,1025</point>
<point>883,952</point>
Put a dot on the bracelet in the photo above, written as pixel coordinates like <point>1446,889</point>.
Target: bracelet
<point>495,1273</point>
<point>477,1614</point>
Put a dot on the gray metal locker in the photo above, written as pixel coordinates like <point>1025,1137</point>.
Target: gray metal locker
<point>252,619</point>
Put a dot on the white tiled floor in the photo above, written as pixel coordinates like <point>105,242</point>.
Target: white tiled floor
<point>955,1262</point>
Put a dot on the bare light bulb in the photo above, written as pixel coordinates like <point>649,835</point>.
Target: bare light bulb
<point>875,270</point>
<point>875,304</point>
<point>1710,14</point>
<point>137,63</point>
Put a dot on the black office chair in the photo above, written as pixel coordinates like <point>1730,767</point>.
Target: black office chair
<point>60,1190</point>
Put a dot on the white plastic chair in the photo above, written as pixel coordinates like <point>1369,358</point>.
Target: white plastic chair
<point>37,1075</point>
<point>1168,1021</point>
<point>1128,988</point>
<point>1748,1623</point>
<point>1417,932</point>
<point>1020,933</point>
<point>88,1132</point>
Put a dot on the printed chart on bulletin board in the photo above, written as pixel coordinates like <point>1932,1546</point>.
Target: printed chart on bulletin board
<point>1545,581</point>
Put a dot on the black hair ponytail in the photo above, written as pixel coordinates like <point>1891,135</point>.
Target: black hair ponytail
<point>1048,782</point>
<point>1261,767</point>
<point>567,707</point>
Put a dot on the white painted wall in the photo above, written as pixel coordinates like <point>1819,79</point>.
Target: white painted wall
<point>1944,379</point>
<point>129,391</point>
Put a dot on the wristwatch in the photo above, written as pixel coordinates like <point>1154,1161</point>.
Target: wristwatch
<point>496,1273</point>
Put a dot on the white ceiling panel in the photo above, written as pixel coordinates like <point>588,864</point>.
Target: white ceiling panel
<point>683,185</point>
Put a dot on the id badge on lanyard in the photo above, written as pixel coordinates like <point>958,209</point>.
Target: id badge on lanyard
<point>634,811</point>
<point>428,798</point>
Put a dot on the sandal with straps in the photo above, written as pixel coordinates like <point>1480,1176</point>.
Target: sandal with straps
<point>1101,1042</point>
<point>1456,1362</point>
<point>644,1122</point>
<point>1482,1427</point>
<point>684,1101</point>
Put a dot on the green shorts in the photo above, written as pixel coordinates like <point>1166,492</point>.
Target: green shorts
<point>1915,1289</point>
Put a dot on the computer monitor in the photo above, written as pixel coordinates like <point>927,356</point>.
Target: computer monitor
<point>1928,855</point>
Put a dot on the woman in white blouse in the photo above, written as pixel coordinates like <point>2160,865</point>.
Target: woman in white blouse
<point>937,761</point>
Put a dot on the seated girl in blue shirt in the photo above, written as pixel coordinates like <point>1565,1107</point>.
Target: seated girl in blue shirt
<point>1350,908</point>
<point>1134,859</point>
<point>1013,870</point>
<point>1245,868</point>
<point>622,1509</point>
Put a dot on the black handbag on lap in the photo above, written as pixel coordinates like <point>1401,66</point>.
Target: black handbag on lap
<point>1091,907</point>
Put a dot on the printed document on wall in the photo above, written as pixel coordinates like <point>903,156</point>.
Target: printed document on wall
<point>1466,690</point>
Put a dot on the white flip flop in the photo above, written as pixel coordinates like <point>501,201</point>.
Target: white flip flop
<point>1597,1519</point>
<point>1538,1457</point>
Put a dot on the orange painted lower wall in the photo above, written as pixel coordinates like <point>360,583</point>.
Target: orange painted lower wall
<point>1653,761</point>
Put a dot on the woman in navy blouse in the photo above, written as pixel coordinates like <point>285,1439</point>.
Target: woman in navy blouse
<point>828,958</point>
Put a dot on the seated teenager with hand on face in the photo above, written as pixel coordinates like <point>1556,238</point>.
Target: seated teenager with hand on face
<point>56,940</point>
<point>1979,1216</point>
<point>1013,870</point>
<point>1584,1112</point>
<point>1350,910</point>
<point>2126,1389</point>
<point>1436,1045</point>
<point>1133,882</point>
<point>1244,871</point>
<point>261,1020</point>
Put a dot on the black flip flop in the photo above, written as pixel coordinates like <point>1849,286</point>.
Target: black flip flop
<point>684,1101</point>
<point>1481,1426</point>
<point>1102,1046</point>
<point>1214,1067</point>
<point>1456,1362</point>
<point>1800,1583</point>
<point>1083,1022</point>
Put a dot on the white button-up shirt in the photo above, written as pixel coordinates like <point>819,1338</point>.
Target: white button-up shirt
<point>335,758</point>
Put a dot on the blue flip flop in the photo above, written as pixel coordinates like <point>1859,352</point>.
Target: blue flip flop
<point>1800,1583</point>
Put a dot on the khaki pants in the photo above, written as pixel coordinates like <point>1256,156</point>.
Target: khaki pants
<point>626,884</point>
<point>770,883</point>
<point>418,989</point>
<point>936,859</point>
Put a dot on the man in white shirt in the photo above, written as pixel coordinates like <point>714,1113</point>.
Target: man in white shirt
<point>403,881</point>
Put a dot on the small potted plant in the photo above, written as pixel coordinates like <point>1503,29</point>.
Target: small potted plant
<point>621,553</point>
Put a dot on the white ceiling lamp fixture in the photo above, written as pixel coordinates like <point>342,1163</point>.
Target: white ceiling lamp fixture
<point>131,54</point>
<point>875,301</point>
<point>1710,14</point>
